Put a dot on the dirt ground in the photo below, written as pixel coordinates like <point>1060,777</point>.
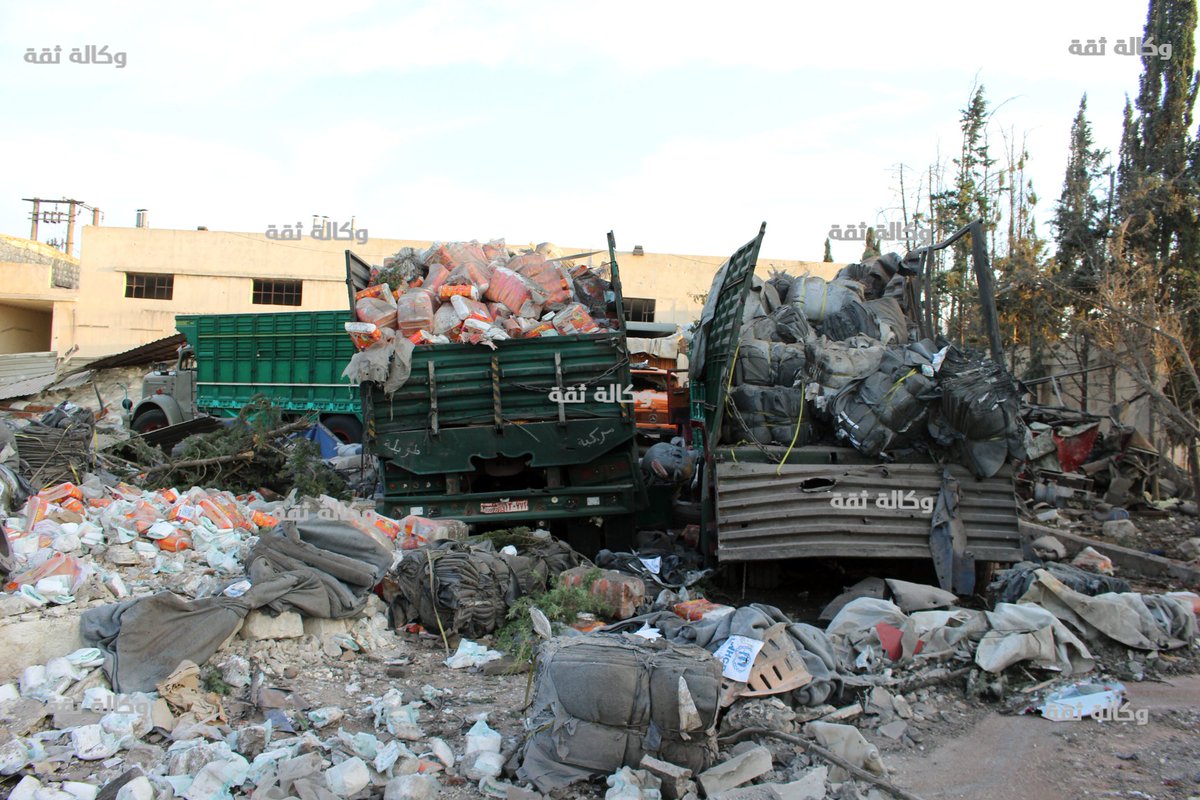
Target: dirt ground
<point>1003,757</point>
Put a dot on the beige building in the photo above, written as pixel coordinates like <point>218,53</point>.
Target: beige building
<point>131,282</point>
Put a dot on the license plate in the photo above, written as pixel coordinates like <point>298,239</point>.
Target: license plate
<point>504,508</point>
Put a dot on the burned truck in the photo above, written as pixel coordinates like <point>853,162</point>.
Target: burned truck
<point>834,422</point>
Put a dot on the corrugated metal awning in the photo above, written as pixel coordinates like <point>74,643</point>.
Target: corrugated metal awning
<point>23,374</point>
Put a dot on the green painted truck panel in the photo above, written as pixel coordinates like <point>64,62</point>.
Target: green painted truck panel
<point>295,358</point>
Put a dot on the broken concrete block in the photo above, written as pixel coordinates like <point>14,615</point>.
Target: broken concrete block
<point>1049,548</point>
<point>309,789</point>
<point>320,628</point>
<point>305,766</point>
<point>80,790</point>
<point>1123,531</point>
<point>894,730</point>
<point>260,625</point>
<point>845,712</point>
<point>809,786</point>
<point>139,788</point>
<point>903,710</point>
<point>1190,548</point>
<point>676,781</point>
<point>411,787</point>
<point>347,778</point>
<point>25,789</point>
<point>37,641</point>
<point>519,793</point>
<point>740,769</point>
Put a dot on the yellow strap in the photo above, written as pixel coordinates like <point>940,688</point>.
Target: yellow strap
<point>896,385</point>
<point>795,436</point>
<point>824,297</point>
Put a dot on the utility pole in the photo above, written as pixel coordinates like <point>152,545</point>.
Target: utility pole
<point>56,217</point>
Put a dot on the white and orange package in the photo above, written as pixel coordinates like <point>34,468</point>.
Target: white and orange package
<point>379,312</point>
<point>414,311</point>
<point>466,309</point>
<point>574,319</point>
<point>56,494</point>
<point>363,334</point>
<point>449,290</point>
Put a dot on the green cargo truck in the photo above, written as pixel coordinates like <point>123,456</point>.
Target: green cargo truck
<point>474,434</point>
<point>295,359</point>
<point>765,503</point>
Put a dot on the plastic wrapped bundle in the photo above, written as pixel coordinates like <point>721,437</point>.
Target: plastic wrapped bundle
<point>445,320</point>
<point>819,299</point>
<point>852,319</point>
<point>574,319</point>
<point>979,413</point>
<point>603,701</point>
<point>767,415</point>
<point>753,363</point>
<point>437,276</point>
<point>888,408</point>
<point>377,311</point>
<point>893,325</point>
<point>836,364</point>
<point>592,291</point>
<point>496,252</point>
<point>787,364</point>
<point>509,288</point>
<point>784,324</point>
<point>471,273</point>
<point>546,274</point>
<point>456,254</point>
<point>465,309</point>
<point>414,311</point>
<point>874,274</point>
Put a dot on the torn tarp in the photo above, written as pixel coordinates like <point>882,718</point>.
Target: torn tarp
<point>752,622</point>
<point>335,565</point>
<point>1030,633</point>
<point>1144,622</point>
<point>322,568</point>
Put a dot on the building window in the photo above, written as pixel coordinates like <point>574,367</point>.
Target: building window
<point>149,286</point>
<point>276,293</point>
<point>639,309</point>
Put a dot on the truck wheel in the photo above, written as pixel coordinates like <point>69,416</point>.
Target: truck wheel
<point>347,429</point>
<point>150,420</point>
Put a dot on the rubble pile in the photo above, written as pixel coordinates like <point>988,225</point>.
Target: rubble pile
<point>471,293</point>
<point>839,361</point>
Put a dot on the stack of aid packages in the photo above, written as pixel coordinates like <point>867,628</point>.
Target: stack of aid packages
<point>476,294</point>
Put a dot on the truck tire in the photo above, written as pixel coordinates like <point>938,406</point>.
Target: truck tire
<point>347,429</point>
<point>150,420</point>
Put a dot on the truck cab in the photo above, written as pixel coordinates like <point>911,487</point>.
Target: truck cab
<point>168,395</point>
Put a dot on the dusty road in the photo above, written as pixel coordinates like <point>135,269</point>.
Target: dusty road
<point>1016,757</point>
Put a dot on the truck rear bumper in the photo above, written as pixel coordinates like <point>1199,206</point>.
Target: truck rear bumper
<point>531,505</point>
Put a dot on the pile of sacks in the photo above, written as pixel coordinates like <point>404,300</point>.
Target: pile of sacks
<point>840,360</point>
<point>471,293</point>
<point>72,543</point>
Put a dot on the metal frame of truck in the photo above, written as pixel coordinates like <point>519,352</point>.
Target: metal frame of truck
<point>294,358</point>
<point>766,502</point>
<point>473,435</point>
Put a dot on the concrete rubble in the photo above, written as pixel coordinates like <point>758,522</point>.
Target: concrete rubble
<point>419,691</point>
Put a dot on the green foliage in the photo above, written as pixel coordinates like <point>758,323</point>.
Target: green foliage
<point>561,604</point>
<point>271,461</point>
<point>828,253</point>
<point>871,247</point>
<point>1080,222</point>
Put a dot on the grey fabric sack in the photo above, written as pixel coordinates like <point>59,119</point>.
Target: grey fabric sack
<point>602,701</point>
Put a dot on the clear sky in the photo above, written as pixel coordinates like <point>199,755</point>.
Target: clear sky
<point>679,125</point>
